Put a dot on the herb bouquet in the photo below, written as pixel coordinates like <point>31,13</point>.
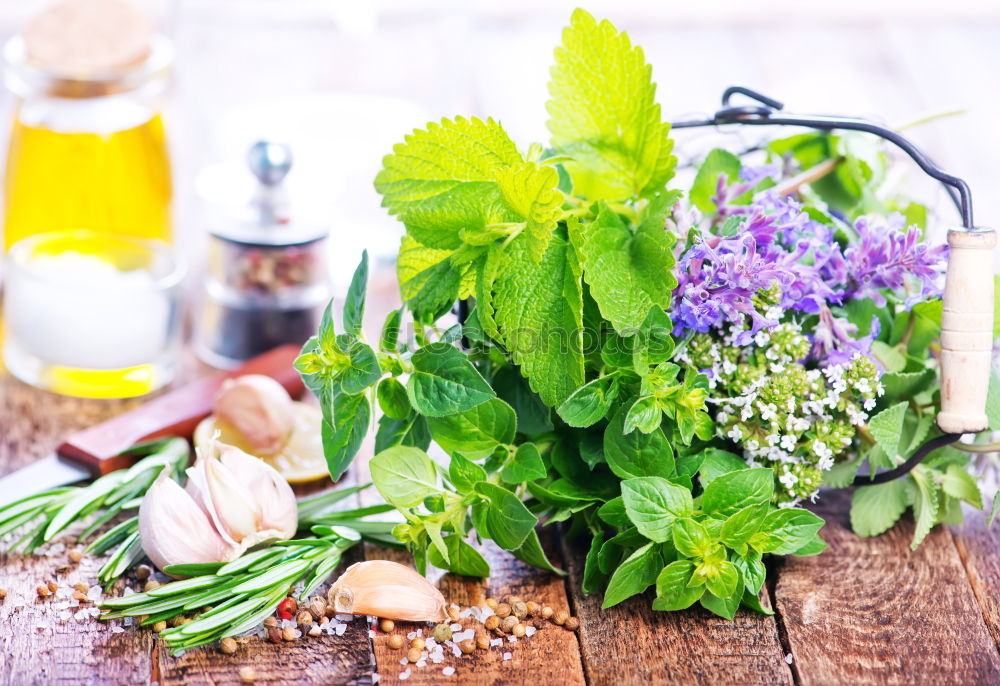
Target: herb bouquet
<point>671,370</point>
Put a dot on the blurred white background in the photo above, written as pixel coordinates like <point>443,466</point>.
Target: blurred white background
<point>342,80</point>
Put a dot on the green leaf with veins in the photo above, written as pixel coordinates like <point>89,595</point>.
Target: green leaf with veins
<point>691,538</point>
<point>705,187</point>
<point>588,404</point>
<point>672,591</point>
<point>346,420</point>
<point>958,483</point>
<point>531,552</point>
<point>464,474</point>
<point>633,576</point>
<point>410,431</point>
<point>392,398</point>
<point>444,382</point>
<point>732,492</point>
<point>404,476</point>
<point>742,524</point>
<point>786,530</point>
<point>886,428</point>
<point>508,520</point>
<point>526,465</point>
<point>462,558</point>
<point>604,115</point>
<point>354,304</point>
<point>389,338</point>
<point>530,190</point>
<point>926,495</point>
<point>476,432</point>
<point>724,580</point>
<point>364,369</point>
<point>723,607</point>
<point>653,503</point>
<point>875,509</point>
<point>637,453</point>
<point>644,414</point>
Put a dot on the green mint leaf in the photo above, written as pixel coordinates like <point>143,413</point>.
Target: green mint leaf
<point>628,271</point>
<point>462,558</point>
<point>654,343</point>
<point>705,186</point>
<point>364,369</point>
<point>637,573</point>
<point>613,513</point>
<point>507,519</point>
<point>672,592</point>
<point>444,382</point>
<point>875,509</point>
<point>410,431</point>
<point>903,385</point>
<point>464,474</point>
<point>644,414</point>
<point>392,399</point>
<point>786,530</point>
<point>476,432</point>
<point>588,404</point>
<point>346,419</point>
<point>604,116</point>
<point>433,529</point>
<point>724,582</point>
<point>752,570</point>
<point>842,474</point>
<point>653,503</point>
<point>886,428</point>
<point>527,465</point>
<point>732,492</point>
<point>327,334</point>
<point>593,577</point>
<point>723,607</point>
<point>716,463</point>
<point>691,538</point>
<point>741,525</point>
<point>404,476</point>
<point>752,601</point>
<point>389,339</point>
<point>531,552</point>
<point>538,308</point>
<point>532,414</point>
<point>530,190</point>
<point>813,547</point>
<point>354,304</point>
<point>926,497</point>
<point>637,453</point>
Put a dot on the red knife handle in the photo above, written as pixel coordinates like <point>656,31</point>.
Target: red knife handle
<point>175,413</point>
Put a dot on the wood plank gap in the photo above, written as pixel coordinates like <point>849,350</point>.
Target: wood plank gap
<point>770,586</point>
<point>154,667</point>
<point>969,542</point>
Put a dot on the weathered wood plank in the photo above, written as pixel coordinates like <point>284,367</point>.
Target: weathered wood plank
<point>870,611</point>
<point>978,547</point>
<point>632,644</point>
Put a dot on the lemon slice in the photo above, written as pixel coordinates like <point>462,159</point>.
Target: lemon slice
<point>300,459</point>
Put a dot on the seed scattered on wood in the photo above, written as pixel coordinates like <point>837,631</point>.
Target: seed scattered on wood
<point>304,618</point>
<point>324,620</point>
<point>560,617</point>
<point>81,587</point>
<point>572,624</point>
<point>151,584</point>
<point>518,630</point>
<point>53,586</point>
<point>482,641</point>
<point>492,603</point>
<point>395,642</point>
<point>160,626</point>
<point>143,572</point>
<point>271,621</point>
<point>42,590</point>
<point>537,622</point>
<point>62,569</point>
<point>492,622</point>
<point>177,621</point>
<point>513,599</point>
<point>317,607</point>
<point>248,675</point>
<point>314,630</point>
<point>274,634</point>
<point>508,624</point>
<point>519,609</point>
<point>547,612</point>
<point>330,610</point>
<point>3,594</point>
<point>441,633</point>
<point>413,655</point>
<point>288,633</point>
<point>387,625</point>
<point>80,597</point>
<point>532,607</point>
<point>75,556</point>
<point>502,610</point>
<point>228,645</point>
<point>453,613</point>
<point>468,646</point>
<point>418,643</point>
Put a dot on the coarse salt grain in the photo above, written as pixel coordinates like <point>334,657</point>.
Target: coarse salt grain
<point>340,629</point>
<point>403,676</point>
<point>507,656</point>
<point>448,671</point>
<point>371,634</point>
<point>494,642</point>
<point>512,639</point>
<point>456,627</point>
<point>403,661</point>
<point>375,677</point>
<point>117,630</point>
<point>529,630</point>
<point>788,658</point>
<point>344,618</point>
<point>410,636</point>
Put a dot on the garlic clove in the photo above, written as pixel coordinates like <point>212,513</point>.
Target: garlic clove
<point>175,530</point>
<point>278,507</point>
<point>259,408</point>
<point>387,589</point>
<point>231,507</point>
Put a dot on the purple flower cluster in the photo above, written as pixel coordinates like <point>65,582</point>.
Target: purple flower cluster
<point>781,259</point>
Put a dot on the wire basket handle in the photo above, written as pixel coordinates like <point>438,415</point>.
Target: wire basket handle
<point>967,318</point>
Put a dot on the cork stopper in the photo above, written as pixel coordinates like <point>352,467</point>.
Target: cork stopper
<point>82,39</point>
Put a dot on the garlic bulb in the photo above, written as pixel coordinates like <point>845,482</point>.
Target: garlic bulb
<point>232,502</point>
<point>259,408</point>
<point>389,590</point>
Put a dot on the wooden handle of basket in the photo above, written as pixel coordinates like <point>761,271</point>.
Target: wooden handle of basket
<point>967,331</point>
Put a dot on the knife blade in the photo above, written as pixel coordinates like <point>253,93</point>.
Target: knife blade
<point>97,450</point>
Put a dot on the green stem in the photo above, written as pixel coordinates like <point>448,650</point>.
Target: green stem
<point>977,448</point>
<point>929,118</point>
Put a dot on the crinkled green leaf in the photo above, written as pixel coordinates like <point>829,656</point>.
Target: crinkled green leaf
<point>875,509</point>
<point>589,403</point>
<point>530,191</point>
<point>444,382</point>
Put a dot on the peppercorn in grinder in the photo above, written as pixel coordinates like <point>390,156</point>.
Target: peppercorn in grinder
<point>266,279</point>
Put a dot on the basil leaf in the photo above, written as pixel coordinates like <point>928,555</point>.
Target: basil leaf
<point>411,431</point>
<point>734,491</point>
<point>462,558</point>
<point>404,476</point>
<point>741,525</point>
<point>508,520</point>
<point>725,581</point>
<point>589,403</point>
<point>389,339</point>
<point>476,432</point>
<point>752,570</point>
<point>791,527</point>
<point>444,382</point>
<point>634,575</point>
<point>654,342</point>
<point>364,370</point>
<point>531,552</point>
<point>532,414</point>
<point>644,415</point>
<point>392,399</point>
<point>691,538</point>
<point>672,592</point>
<point>752,601</point>
<point>593,577</point>
<point>653,503</point>
<point>636,454</point>
<point>354,304</point>
<point>723,607</point>
<point>465,474</point>
<point>346,419</point>
<point>613,512</point>
<point>527,465</point>
<point>716,463</point>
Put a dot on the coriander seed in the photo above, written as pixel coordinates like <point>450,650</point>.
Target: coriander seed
<point>468,646</point>
<point>571,624</point>
<point>441,633</point>
<point>482,641</point>
<point>519,609</point>
<point>317,607</point>
<point>288,633</point>
<point>42,590</point>
<point>418,643</point>
<point>513,599</point>
<point>304,618</point>
<point>395,642</point>
<point>492,622</point>
<point>547,612</point>
<point>503,610</point>
<point>413,654</point>
<point>492,603</point>
<point>560,617</point>
<point>143,572</point>
<point>387,625</point>
<point>81,587</point>
<point>508,624</point>
<point>53,586</point>
<point>160,626</point>
<point>453,613</point>
<point>80,597</point>
<point>151,584</point>
<point>518,630</point>
<point>75,556</point>
<point>271,621</point>
<point>3,594</point>
<point>228,645</point>
<point>274,634</point>
<point>248,675</point>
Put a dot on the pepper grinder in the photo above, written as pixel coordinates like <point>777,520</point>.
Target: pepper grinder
<point>266,281</point>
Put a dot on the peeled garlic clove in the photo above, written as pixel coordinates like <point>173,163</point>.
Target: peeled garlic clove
<point>278,508</point>
<point>175,530</point>
<point>232,509</point>
<point>259,408</point>
<point>389,590</point>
